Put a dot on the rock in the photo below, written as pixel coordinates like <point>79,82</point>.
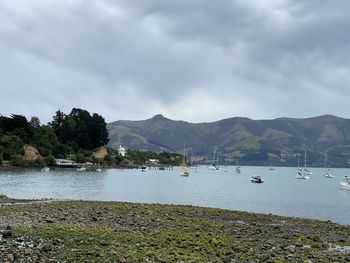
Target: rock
<point>270,242</point>
<point>27,251</point>
<point>306,247</point>
<point>263,257</point>
<point>104,242</point>
<point>49,220</point>
<point>7,233</point>
<point>46,247</point>
<point>291,248</point>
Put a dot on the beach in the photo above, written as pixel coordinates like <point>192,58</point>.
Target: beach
<point>89,231</point>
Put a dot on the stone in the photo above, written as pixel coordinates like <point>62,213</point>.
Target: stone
<point>7,233</point>
<point>291,248</point>
<point>49,220</point>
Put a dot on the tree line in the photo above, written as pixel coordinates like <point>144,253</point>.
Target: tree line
<point>75,134</point>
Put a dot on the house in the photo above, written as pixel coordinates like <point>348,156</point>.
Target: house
<point>153,161</point>
<point>121,150</point>
<point>65,163</point>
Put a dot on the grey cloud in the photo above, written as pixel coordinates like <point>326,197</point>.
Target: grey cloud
<point>196,60</point>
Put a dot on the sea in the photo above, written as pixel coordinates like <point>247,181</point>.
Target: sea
<point>280,194</point>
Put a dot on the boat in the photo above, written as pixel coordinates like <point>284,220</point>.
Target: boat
<point>256,179</point>
<point>213,165</point>
<point>184,171</point>
<point>238,169</point>
<point>303,173</point>
<point>81,169</point>
<point>328,173</point>
<point>144,168</point>
<point>45,169</point>
<point>306,171</point>
<point>225,166</point>
<point>345,183</point>
<point>98,170</point>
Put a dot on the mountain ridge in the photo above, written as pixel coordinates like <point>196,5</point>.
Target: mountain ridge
<point>251,142</point>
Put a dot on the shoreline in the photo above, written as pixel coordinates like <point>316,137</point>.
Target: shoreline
<point>99,231</point>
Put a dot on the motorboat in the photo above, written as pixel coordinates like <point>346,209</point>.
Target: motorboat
<point>98,170</point>
<point>184,172</point>
<point>345,183</point>
<point>256,179</point>
<point>144,168</point>
<point>81,169</point>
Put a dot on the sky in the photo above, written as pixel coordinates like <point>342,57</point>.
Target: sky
<point>198,60</point>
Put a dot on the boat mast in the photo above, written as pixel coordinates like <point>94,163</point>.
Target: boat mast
<point>298,160</point>
<point>184,157</point>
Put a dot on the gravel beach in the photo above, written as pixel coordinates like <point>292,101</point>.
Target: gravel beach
<point>85,231</point>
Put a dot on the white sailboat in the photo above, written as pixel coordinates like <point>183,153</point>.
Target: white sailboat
<point>213,166</point>
<point>184,171</point>
<point>306,171</point>
<point>328,173</point>
<point>302,173</point>
<point>238,168</point>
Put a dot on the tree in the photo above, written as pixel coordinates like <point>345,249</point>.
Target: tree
<point>34,122</point>
<point>57,121</point>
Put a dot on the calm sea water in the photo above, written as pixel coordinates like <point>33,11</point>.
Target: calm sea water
<point>281,193</point>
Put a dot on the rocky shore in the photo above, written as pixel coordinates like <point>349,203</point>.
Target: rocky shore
<point>79,231</point>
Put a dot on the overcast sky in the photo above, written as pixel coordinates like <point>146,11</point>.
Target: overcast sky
<point>195,60</point>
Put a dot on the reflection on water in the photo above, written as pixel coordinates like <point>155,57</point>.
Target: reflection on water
<point>281,194</point>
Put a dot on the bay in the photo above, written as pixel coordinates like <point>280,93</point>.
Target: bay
<point>280,194</point>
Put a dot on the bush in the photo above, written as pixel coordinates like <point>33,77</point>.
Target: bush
<point>80,158</point>
<point>50,160</point>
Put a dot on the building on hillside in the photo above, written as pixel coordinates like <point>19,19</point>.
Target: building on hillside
<point>65,163</point>
<point>121,150</point>
<point>153,161</point>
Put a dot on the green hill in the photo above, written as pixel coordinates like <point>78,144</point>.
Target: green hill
<point>251,142</point>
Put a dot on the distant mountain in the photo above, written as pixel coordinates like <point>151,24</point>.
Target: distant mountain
<point>251,142</point>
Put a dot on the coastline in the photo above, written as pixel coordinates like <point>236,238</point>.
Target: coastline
<point>96,231</point>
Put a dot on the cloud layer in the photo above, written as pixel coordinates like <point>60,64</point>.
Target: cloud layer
<point>198,60</point>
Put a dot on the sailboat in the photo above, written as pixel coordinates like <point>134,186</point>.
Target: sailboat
<point>238,168</point>
<point>213,166</point>
<point>328,173</point>
<point>184,171</point>
<point>302,173</point>
<point>306,171</point>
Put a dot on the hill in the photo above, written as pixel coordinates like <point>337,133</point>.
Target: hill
<point>251,142</point>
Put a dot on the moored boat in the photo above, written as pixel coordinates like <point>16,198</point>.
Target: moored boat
<point>256,179</point>
<point>184,171</point>
<point>345,183</point>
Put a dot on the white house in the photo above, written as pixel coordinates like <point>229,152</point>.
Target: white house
<point>121,150</point>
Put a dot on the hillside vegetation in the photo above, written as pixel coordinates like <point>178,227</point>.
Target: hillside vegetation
<point>28,143</point>
<point>250,142</point>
